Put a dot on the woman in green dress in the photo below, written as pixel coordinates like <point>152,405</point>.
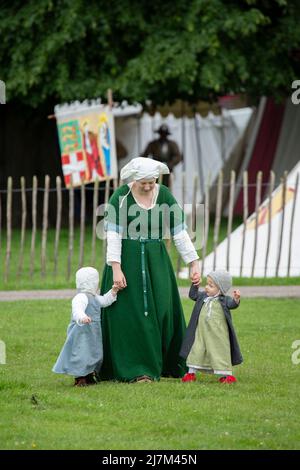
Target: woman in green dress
<point>144,329</point>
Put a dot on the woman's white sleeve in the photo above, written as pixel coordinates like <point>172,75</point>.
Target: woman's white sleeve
<point>106,299</point>
<point>114,247</point>
<point>185,247</point>
<point>79,304</point>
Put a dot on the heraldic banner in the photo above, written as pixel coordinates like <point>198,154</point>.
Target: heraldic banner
<point>87,142</point>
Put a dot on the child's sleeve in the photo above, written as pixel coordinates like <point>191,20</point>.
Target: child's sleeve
<point>107,299</point>
<point>231,303</point>
<point>79,304</point>
<point>194,292</point>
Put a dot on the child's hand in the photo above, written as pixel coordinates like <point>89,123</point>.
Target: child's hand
<point>115,289</point>
<point>86,320</point>
<point>196,279</point>
<point>237,296</point>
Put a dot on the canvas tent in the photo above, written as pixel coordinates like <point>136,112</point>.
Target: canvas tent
<point>206,143</point>
<point>270,142</point>
<point>278,255</point>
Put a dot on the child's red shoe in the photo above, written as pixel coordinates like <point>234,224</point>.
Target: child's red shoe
<point>229,379</point>
<point>189,377</point>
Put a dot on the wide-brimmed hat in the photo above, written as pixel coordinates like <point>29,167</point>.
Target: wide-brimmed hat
<point>163,129</point>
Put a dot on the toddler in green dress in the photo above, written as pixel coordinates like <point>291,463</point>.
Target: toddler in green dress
<point>210,344</point>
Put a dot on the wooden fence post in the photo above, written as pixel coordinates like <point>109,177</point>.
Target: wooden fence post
<point>95,205</point>
<point>218,216</point>
<point>71,229</point>
<point>9,228</point>
<point>183,202</point>
<point>82,224</point>
<point>257,204</point>
<point>115,183</point>
<point>194,202</point>
<point>58,222</point>
<point>245,217</point>
<point>206,223</point>
<point>283,182</point>
<point>271,189</point>
<point>230,215</point>
<point>23,226</point>
<point>292,224</point>
<point>171,180</point>
<point>45,225</point>
<point>33,233</point>
<point>106,199</point>
<point>199,157</point>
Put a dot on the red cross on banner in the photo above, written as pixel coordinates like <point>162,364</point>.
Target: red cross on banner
<point>74,165</point>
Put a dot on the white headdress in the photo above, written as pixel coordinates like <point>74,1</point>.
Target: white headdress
<point>87,280</point>
<point>140,168</point>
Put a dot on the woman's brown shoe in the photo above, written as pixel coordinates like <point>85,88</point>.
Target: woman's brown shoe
<point>144,378</point>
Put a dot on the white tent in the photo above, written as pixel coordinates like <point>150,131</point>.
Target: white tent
<point>206,143</point>
<point>281,253</point>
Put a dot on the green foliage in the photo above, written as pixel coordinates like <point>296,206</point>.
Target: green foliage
<point>72,49</point>
<point>41,410</point>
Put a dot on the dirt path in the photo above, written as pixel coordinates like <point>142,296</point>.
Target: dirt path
<point>246,291</point>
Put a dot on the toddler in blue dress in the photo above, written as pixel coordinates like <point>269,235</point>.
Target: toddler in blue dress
<point>82,353</point>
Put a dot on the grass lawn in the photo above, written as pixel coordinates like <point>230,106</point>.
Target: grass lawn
<point>260,411</point>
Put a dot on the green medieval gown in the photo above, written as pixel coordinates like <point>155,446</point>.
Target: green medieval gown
<point>143,330</point>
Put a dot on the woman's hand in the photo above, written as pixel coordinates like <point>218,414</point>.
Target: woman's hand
<point>118,276</point>
<point>195,275</point>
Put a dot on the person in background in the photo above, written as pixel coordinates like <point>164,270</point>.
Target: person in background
<point>164,150</point>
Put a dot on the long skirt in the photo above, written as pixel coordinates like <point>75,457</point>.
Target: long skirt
<point>211,348</point>
<point>82,352</point>
<point>143,330</point>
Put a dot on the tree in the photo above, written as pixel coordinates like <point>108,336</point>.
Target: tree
<point>197,49</point>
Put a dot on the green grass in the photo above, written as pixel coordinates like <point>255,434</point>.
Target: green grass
<point>60,281</point>
<point>255,281</point>
<point>260,411</point>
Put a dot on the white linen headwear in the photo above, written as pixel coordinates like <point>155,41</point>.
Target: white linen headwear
<point>87,280</point>
<point>143,168</point>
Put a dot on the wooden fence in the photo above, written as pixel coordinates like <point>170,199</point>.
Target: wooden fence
<point>110,185</point>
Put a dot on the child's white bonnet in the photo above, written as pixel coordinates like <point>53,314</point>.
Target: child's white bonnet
<point>87,280</point>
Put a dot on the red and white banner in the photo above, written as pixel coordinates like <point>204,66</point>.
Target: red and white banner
<point>87,142</point>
